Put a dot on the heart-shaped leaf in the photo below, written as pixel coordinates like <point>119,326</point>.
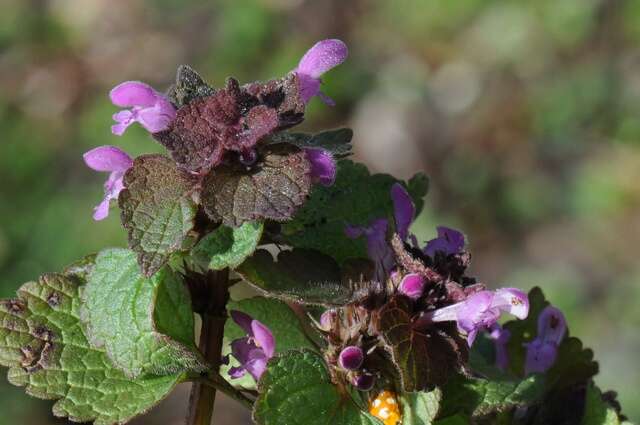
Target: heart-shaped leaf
<point>301,275</point>
<point>46,349</point>
<point>423,359</point>
<point>144,324</point>
<point>157,209</point>
<point>274,188</point>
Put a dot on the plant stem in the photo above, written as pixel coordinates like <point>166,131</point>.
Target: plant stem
<point>214,315</point>
<point>218,382</point>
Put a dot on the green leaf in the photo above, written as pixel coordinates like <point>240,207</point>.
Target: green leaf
<point>574,364</point>
<point>420,408</point>
<point>301,275</point>
<point>296,390</point>
<point>597,410</point>
<point>338,141</point>
<point>422,359</point>
<point>480,397</point>
<point>356,198</point>
<point>278,317</point>
<point>144,324</point>
<point>227,246</point>
<point>157,209</point>
<point>273,189</point>
<point>47,351</point>
<point>453,420</point>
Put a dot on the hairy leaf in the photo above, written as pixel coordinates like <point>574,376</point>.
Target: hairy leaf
<point>144,324</point>
<point>338,141</point>
<point>278,317</point>
<point>296,390</point>
<point>157,209</point>
<point>46,349</point>
<point>479,397</point>
<point>272,189</point>
<point>356,198</point>
<point>189,86</point>
<point>422,359</point>
<point>420,408</point>
<point>301,275</point>
<point>228,247</point>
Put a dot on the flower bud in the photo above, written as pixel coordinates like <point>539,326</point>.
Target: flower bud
<point>412,286</point>
<point>351,358</point>
<point>364,382</point>
<point>326,320</point>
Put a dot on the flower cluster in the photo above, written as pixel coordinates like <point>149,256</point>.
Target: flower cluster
<point>423,291</point>
<point>203,128</point>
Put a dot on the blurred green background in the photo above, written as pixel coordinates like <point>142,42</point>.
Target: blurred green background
<point>525,114</point>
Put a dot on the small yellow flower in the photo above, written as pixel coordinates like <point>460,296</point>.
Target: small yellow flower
<point>385,407</point>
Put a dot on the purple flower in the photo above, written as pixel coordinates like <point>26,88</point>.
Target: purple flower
<point>147,106</point>
<point>253,351</point>
<point>351,358</point>
<point>543,350</point>
<point>500,337</point>
<point>449,241</point>
<point>115,161</point>
<point>481,310</point>
<point>323,56</point>
<point>364,382</point>
<point>377,247</point>
<point>403,209</point>
<point>323,166</point>
<point>412,285</point>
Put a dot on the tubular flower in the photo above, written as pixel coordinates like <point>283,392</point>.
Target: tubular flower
<point>322,57</point>
<point>449,242</point>
<point>378,248</point>
<point>147,106</point>
<point>500,337</point>
<point>543,350</point>
<point>253,351</point>
<point>403,210</point>
<point>323,166</point>
<point>481,310</point>
<point>115,161</point>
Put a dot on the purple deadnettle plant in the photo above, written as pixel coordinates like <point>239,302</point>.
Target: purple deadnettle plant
<point>299,265</point>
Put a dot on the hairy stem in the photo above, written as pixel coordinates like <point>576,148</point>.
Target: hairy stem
<point>215,293</point>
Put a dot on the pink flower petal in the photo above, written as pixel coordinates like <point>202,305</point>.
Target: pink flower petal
<point>323,56</point>
<point>133,93</point>
<point>264,338</point>
<point>552,325</point>
<point>101,211</point>
<point>108,158</point>
<point>243,320</point>
<point>513,301</point>
<point>403,209</point>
